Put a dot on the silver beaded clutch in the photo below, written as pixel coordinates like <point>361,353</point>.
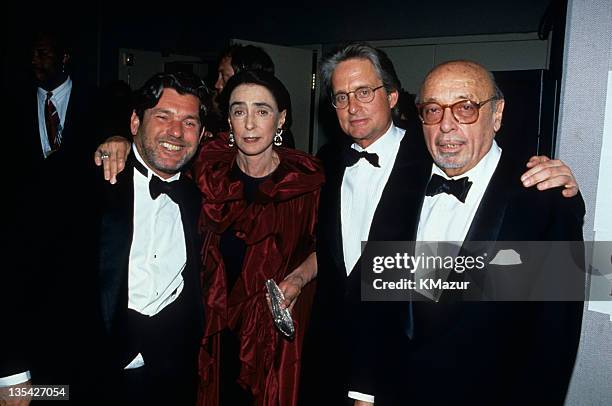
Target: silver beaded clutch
<point>282,317</point>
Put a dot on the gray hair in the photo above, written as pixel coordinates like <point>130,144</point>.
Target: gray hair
<point>361,50</point>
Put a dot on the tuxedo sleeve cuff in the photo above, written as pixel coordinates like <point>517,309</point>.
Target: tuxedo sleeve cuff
<point>14,379</point>
<point>361,396</point>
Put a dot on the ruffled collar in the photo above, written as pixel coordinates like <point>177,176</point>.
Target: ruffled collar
<point>297,173</point>
<point>223,193</point>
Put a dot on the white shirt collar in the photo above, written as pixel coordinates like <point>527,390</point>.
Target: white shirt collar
<point>386,146</point>
<point>150,171</point>
<point>59,91</point>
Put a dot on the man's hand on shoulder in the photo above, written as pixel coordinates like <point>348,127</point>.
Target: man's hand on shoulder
<point>546,173</point>
<point>112,154</point>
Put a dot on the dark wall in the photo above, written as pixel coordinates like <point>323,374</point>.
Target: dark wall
<point>100,28</point>
<point>20,22</point>
<point>204,24</point>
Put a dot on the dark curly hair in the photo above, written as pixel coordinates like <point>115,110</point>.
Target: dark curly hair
<point>184,83</point>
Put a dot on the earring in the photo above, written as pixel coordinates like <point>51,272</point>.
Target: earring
<point>278,139</point>
<point>231,140</point>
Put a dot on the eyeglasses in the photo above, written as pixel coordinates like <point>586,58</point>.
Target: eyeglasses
<point>464,111</point>
<point>363,94</point>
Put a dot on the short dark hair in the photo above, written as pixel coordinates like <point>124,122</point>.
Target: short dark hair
<point>261,78</point>
<point>248,57</point>
<point>183,82</point>
<point>362,50</point>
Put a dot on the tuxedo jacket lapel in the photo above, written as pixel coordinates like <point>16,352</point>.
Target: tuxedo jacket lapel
<point>190,207</point>
<point>397,214</point>
<point>116,234</point>
<point>333,207</point>
<point>489,216</point>
<point>485,229</point>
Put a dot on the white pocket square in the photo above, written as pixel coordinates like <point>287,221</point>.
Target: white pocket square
<point>506,257</point>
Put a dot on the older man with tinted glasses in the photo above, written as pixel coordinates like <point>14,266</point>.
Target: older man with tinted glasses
<point>372,199</point>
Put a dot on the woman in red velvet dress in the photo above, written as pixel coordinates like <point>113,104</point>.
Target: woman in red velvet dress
<point>258,219</point>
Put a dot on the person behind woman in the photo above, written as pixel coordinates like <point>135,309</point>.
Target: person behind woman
<point>259,218</point>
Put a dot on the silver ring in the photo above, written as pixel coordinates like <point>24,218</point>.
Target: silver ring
<point>104,155</point>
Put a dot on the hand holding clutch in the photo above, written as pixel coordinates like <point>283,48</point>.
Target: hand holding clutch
<point>282,316</point>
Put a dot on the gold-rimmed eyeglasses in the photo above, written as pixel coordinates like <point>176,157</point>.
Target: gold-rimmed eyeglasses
<point>363,94</point>
<point>464,111</point>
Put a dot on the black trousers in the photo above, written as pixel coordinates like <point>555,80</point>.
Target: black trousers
<point>169,344</point>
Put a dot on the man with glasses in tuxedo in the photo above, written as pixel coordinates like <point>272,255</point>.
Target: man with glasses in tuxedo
<point>369,199</point>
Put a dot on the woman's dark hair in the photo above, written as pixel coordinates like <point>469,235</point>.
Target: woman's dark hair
<point>183,82</point>
<point>260,78</point>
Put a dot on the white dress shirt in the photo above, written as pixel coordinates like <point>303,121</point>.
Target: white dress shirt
<point>362,187</point>
<point>443,216</point>
<point>157,256</point>
<point>60,99</point>
<point>158,253</point>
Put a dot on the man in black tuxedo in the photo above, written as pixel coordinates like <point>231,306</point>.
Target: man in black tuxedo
<point>149,247</point>
<point>136,327</point>
<point>367,199</point>
<point>478,353</point>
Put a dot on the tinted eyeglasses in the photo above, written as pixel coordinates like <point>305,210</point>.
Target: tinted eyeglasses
<point>464,111</point>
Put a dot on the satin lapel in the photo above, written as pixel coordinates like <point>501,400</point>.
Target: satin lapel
<point>116,232</point>
<point>190,212</point>
<point>485,229</point>
<point>490,214</point>
<point>397,215</point>
<point>332,205</point>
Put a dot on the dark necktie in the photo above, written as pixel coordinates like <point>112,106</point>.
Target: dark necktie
<point>172,189</point>
<point>52,123</point>
<point>456,187</point>
<point>351,156</point>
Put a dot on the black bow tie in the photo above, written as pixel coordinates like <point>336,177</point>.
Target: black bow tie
<point>351,156</point>
<point>456,187</point>
<point>172,189</point>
